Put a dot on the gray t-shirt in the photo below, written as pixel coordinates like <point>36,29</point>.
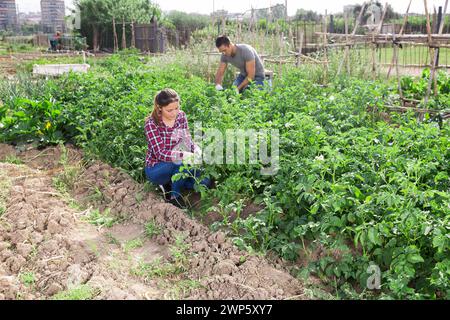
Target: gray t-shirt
<point>245,53</point>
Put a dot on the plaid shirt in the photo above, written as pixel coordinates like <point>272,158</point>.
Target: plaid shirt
<point>162,140</point>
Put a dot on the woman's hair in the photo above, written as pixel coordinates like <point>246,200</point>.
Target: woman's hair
<point>162,99</point>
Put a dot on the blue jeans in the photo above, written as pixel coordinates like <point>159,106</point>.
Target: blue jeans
<point>162,172</point>
<point>259,81</point>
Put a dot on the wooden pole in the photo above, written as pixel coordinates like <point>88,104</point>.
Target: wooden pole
<point>281,54</point>
<point>434,58</point>
<point>346,40</point>
<point>224,26</point>
<point>325,48</point>
<point>399,84</point>
<point>358,21</point>
<point>300,50</point>
<point>395,57</point>
<point>377,31</point>
<point>430,81</point>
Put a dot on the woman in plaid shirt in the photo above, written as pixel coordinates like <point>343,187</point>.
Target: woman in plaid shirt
<point>167,131</point>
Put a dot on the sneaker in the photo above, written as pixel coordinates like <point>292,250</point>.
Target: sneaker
<point>178,202</point>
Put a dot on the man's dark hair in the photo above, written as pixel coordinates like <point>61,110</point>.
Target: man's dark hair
<point>222,40</point>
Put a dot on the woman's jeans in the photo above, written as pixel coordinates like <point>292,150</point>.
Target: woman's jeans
<point>162,172</point>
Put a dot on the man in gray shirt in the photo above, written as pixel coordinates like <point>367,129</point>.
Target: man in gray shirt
<point>242,56</point>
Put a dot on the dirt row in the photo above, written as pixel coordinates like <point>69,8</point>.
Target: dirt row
<point>109,238</point>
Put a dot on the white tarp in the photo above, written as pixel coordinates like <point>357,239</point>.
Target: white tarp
<point>58,69</point>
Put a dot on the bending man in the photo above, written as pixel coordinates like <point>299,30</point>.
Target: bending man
<point>242,56</point>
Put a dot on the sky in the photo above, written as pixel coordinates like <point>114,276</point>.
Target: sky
<point>234,6</point>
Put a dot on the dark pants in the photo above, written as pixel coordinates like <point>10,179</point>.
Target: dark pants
<point>54,44</point>
<point>258,81</point>
<point>162,172</point>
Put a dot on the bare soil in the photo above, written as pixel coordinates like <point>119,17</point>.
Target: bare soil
<point>49,245</point>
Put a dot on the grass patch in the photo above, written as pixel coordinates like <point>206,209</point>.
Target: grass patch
<point>111,239</point>
<point>12,159</point>
<point>5,185</point>
<point>182,289</point>
<point>96,195</point>
<point>157,268</point>
<point>28,279</point>
<point>101,219</point>
<point>133,244</point>
<point>65,181</point>
<point>83,292</point>
<point>152,228</point>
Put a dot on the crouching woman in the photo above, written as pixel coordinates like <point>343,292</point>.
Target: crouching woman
<point>166,129</point>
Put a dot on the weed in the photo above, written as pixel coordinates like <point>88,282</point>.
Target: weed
<point>101,219</point>
<point>28,278</point>
<point>82,292</point>
<point>13,159</point>
<point>133,244</point>
<point>152,228</point>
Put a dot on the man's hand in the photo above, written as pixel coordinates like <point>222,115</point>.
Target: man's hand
<point>219,87</point>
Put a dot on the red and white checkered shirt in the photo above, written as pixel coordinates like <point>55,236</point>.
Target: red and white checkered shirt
<point>162,140</point>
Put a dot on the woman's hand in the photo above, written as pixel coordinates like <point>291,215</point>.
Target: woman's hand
<point>188,158</point>
<point>193,158</point>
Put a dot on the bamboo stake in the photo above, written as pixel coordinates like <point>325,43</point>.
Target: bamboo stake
<point>441,27</point>
<point>399,84</point>
<point>300,50</point>
<point>306,57</point>
<point>436,52</point>
<point>395,57</point>
<point>378,30</point>
<point>325,48</point>
<point>281,54</point>
<point>353,34</point>
<point>434,59</point>
<point>346,40</point>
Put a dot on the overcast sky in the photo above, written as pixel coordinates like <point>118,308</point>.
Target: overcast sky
<point>206,6</point>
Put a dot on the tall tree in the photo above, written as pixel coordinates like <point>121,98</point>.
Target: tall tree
<point>94,14</point>
<point>112,12</point>
<point>141,11</point>
<point>99,14</point>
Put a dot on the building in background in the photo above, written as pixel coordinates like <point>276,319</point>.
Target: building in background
<point>29,23</point>
<point>31,18</point>
<point>8,15</point>
<point>53,12</point>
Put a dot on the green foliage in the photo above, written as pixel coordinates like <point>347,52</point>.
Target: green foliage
<point>359,189</point>
<point>28,120</point>
<point>306,15</point>
<point>187,21</point>
<point>100,219</point>
<point>97,15</point>
<point>416,88</point>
